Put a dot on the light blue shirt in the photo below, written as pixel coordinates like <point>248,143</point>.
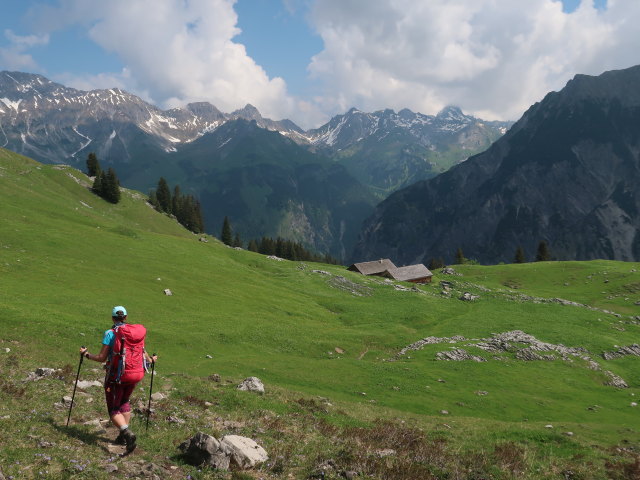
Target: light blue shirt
<point>109,336</point>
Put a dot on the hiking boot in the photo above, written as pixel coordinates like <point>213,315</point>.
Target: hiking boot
<point>129,440</point>
<point>119,439</point>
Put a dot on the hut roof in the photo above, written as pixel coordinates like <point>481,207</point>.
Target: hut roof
<point>374,267</point>
<point>410,272</point>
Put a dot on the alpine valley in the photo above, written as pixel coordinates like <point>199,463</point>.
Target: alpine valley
<point>271,178</point>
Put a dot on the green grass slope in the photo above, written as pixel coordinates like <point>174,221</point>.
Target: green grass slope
<point>324,341</point>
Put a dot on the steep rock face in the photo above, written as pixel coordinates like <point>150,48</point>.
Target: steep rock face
<point>567,172</point>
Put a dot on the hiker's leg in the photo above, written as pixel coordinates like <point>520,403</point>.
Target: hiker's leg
<point>119,420</point>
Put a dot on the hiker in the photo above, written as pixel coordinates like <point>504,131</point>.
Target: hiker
<point>123,350</point>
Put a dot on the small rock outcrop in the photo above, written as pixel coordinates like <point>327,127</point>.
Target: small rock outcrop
<point>458,355</point>
<point>252,384</point>
<point>623,352</point>
<point>206,450</point>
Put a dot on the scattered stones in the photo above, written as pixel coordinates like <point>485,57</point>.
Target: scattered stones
<point>444,412</point>
<point>450,271</point>
<point>7,350</point>
<point>252,384</point>
<point>215,378</point>
<point>273,257</point>
<point>84,384</point>
<point>321,272</point>
<point>385,452</point>
<point>40,373</point>
<point>481,393</point>
<point>458,355</point>
<point>173,419</point>
<point>430,341</point>
<point>469,297</point>
<point>167,292</point>
<point>633,349</point>
<point>354,289</point>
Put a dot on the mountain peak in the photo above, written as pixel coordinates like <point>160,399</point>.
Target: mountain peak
<point>451,112</point>
<point>249,112</point>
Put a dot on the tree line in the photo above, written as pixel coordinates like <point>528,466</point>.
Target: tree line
<point>543,254</point>
<point>280,247</point>
<point>105,184</point>
<point>186,208</point>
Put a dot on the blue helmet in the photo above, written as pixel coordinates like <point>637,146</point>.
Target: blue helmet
<point>119,312</point>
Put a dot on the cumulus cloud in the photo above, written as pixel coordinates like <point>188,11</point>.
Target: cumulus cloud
<point>176,51</point>
<point>15,56</point>
<point>491,57</point>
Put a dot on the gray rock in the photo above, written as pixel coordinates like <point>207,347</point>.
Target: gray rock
<point>203,449</point>
<point>615,380</point>
<point>458,355</point>
<point>167,292</point>
<point>252,384</point>
<point>40,373</point>
<point>450,271</point>
<point>111,468</point>
<point>156,397</point>
<point>84,384</point>
<point>245,452</point>
<point>633,350</point>
<point>469,297</point>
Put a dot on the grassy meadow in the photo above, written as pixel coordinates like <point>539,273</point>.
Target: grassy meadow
<point>323,340</point>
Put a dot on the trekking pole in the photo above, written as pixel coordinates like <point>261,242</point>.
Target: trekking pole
<point>153,367</point>
<point>73,396</point>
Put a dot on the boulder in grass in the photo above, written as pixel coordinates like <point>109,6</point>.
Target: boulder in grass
<point>245,453</point>
<point>252,384</point>
<point>203,449</point>
<point>84,384</point>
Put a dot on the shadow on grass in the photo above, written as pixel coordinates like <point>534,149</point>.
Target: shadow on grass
<point>79,432</point>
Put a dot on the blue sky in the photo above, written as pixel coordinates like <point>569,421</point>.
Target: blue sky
<point>310,59</point>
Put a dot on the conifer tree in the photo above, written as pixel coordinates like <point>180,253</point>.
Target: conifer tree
<point>237,241</point>
<point>519,256</point>
<point>93,165</point>
<point>459,256</point>
<point>97,183</point>
<point>176,204</point>
<point>226,235</point>
<point>111,188</point>
<point>253,246</point>
<point>543,254</point>
<point>164,195</point>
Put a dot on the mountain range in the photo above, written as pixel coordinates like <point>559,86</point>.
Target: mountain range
<point>566,173</point>
<point>270,177</point>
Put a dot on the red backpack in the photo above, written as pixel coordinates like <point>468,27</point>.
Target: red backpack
<point>127,355</point>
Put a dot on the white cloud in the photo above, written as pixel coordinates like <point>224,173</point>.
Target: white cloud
<point>491,57</point>
<point>176,50</point>
<point>15,56</point>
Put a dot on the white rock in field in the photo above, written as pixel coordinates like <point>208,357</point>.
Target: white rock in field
<point>156,397</point>
<point>84,384</point>
<point>252,384</point>
<point>634,404</point>
<point>245,452</point>
<point>7,350</point>
<point>548,426</point>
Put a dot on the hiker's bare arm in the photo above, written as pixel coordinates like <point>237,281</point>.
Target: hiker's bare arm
<point>100,357</point>
<point>149,358</point>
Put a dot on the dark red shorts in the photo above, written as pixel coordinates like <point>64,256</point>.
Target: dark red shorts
<point>117,395</point>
